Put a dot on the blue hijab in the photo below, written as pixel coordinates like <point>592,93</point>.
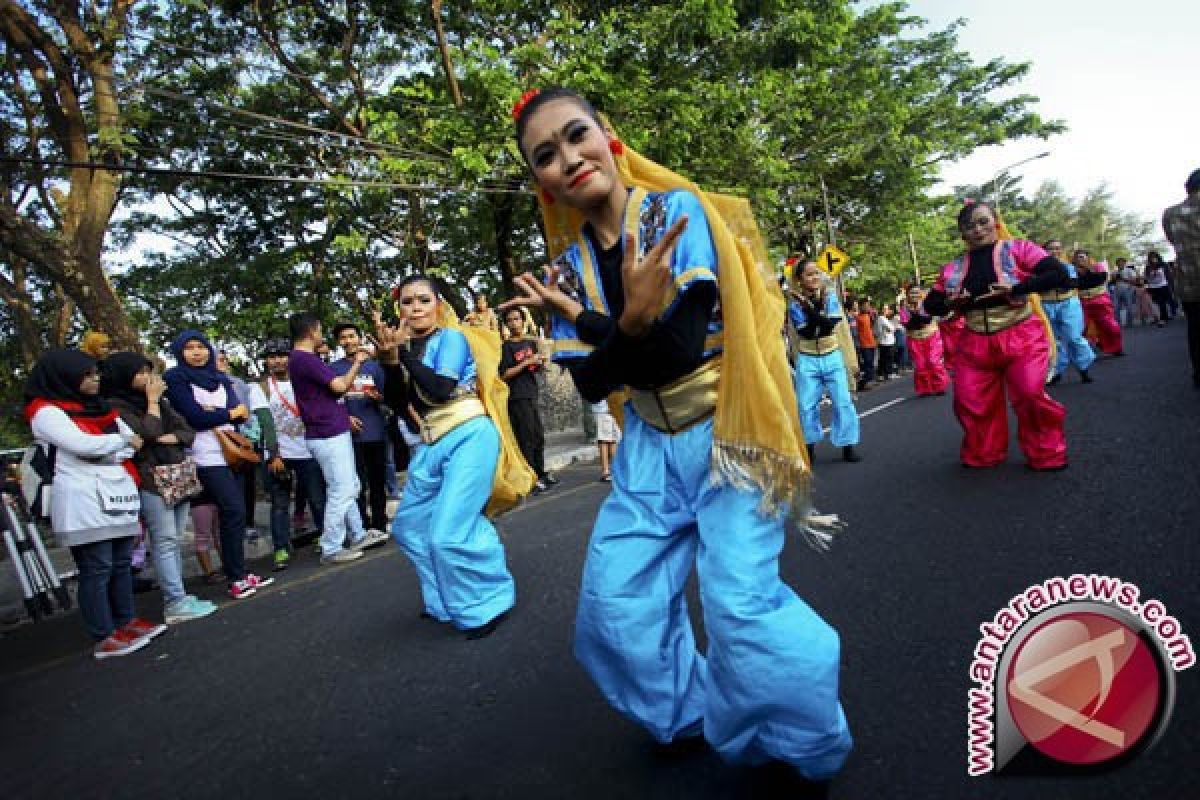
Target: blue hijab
<point>207,377</point>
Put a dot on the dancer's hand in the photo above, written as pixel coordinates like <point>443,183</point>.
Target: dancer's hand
<point>547,294</point>
<point>390,337</point>
<point>647,280</point>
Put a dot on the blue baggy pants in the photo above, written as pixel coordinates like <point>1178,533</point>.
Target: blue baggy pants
<point>814,376</point>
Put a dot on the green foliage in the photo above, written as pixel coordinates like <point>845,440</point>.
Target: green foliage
<point>759,99</point>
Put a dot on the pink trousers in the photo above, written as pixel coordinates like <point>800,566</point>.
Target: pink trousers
<point>987,364</point>
<point>1098,314</point>
<point>929,365</point>
<point>950,330</point>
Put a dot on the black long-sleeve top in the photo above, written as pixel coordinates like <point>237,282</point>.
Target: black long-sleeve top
<point>1091,279</point>
<point>816,323</point>
<point>672,347</point>
<point>1049,273</point>
<point>399,394</point>
<point>917,320</point>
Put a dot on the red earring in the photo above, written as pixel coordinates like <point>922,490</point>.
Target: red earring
<point>547,198</point>
<point>616,147</point>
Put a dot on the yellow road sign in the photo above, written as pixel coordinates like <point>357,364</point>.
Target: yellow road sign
<point>831,259</point>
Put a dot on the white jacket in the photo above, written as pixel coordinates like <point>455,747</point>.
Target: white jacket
<point>94,498</point>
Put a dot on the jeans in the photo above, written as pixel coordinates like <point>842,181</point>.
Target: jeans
<point>306,475</point>
<point>1126,304</point>
<point>900,351</point>
<point>105,585</point>
<point>370,462</point>
<point>886,352</point>
<point>225,488</point>
<point>866,358</point>
<point>343,524</point>
<point>166,529</point>
<point>393,486</point>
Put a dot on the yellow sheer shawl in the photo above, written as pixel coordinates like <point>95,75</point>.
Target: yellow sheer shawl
<point>757,439</point>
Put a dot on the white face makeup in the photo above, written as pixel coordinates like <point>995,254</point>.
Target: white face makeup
<point>569,154</point>
<point>980,229</point>
<point>418,306</point>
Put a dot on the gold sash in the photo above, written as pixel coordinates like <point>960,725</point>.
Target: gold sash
<point>923,332</point>
<point>1095,291</point>
<point>438,421</point>
<point>994,320</point>
<point>682,403</point>
<point>817,347</point>
<point>1058,295</point>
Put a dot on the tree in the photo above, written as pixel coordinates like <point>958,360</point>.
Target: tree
<point>61,105</point>
<point>386,128</point>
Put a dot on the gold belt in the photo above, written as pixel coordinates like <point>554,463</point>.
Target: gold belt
<point>1095,291</point>
<point>1058,295</point>
<point>821,346</point>
<point>923,332</point>
<point>438,421</point>
<point>682,403</point>
<point>994,320</point>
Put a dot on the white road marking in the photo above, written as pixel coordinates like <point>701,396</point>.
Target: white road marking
<point>871,411</point>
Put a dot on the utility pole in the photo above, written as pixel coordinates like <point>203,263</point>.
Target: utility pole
<point>912,250</point>
<point>841,290</point>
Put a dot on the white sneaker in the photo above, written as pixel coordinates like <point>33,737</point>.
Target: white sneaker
<point>341,557</point>
<point>373,538</point>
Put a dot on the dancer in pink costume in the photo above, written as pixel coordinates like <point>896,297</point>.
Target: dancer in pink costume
<point>1099,316</point>
<point>1003,344</point>
<point>924,346</point>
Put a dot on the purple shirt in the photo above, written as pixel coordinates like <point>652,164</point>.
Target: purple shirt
<point>323,412</point>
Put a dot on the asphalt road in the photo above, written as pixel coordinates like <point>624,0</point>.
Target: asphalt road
<point>329,684</point>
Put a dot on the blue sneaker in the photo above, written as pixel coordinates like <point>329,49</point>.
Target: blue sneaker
<point>188,608</point>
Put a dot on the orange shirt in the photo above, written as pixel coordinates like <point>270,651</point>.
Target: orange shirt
<point>866,331</point>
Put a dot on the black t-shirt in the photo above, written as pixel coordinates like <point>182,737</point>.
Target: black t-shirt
<point>524,385</point>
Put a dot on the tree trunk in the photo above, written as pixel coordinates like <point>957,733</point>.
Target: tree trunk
<point>502,223</point>
<point>15,295</point>
<point>435,10</point>
<point>83,280</point>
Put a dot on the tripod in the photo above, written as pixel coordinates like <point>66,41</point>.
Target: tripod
<point>35,572</point>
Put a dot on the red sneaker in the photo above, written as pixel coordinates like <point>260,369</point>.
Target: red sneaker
<point>140,627</point>
<point>120,643</point>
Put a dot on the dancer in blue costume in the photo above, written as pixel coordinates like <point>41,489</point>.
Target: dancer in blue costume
<point>635,295</point>
<point>1065,314</point>
<point>440,524</point>
<point>815,316</point>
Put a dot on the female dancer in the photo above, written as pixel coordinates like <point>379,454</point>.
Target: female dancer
<point>440,524</point>
<point>924,346</point>
<point>1003,342</point>
<point>822,364</point>
<point>1097,305</point>
<point>711,465</point>
<point>1065,314</point>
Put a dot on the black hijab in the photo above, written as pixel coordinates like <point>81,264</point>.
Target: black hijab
<point>116,378</point>
<point>56,378</point>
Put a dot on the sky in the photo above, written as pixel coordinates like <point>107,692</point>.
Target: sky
<point>1122,75</point>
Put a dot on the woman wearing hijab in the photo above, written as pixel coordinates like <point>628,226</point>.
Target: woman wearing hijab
<point>95,508</point>
<point>128,382</point>
<point>206,399</point>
